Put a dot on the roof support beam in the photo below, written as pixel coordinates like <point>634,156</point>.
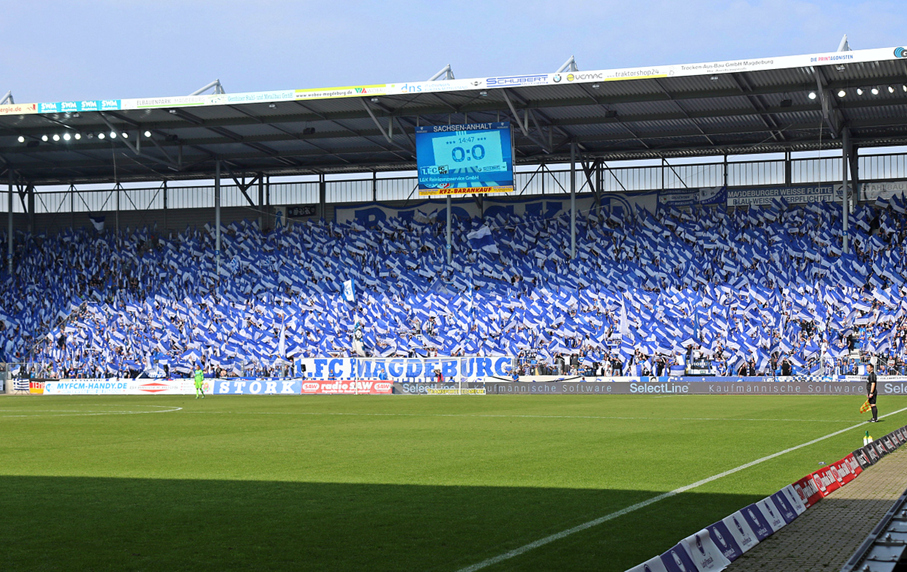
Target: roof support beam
<point>524,125</point>
<point>830,112</point>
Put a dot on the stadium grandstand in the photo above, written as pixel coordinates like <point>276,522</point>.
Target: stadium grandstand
<point>734,218</point>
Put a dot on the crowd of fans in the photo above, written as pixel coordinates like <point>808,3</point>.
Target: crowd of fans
<point>758,291</point>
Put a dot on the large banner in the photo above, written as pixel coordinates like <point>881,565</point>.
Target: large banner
<point>793,195</point>
<point>403,370</point>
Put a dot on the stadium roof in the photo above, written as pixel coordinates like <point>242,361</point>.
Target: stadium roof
<point>791,103</point>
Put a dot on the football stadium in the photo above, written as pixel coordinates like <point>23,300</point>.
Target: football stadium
<point>618,319</point>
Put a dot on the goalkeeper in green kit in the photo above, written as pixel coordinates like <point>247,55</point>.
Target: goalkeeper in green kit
<point>199,380</point>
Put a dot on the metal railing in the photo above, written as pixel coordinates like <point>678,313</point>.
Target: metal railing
<point>538,180</point>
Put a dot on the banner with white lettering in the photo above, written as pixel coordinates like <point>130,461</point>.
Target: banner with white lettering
<point>408,370</point>
<point>346,387</point>
<point>257,386</point>
<point>120,386</point>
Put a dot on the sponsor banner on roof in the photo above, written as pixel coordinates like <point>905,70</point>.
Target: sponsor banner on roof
<point>435,86</point>
<point>346,387</point>
<point>704,552</point>
<point>19,109</point>
<point>340,92</point>
<point>258,97</point>
<point>177,101</point>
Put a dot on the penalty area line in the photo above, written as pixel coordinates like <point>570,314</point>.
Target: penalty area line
<point>632,508</point>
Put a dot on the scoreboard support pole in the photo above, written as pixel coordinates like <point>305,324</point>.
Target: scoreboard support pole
<point>9,217</point>
<point>449,245</point>
<point>217,215</point>
<point>572,201</point>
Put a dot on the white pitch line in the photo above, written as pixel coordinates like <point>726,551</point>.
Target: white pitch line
<point>504,416</point>
<point>67,413</point>
<point>564,533</point>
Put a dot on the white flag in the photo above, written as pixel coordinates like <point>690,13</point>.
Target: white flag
<point>349,290</point>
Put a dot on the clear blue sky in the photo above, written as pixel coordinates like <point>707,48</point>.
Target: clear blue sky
<point>58,50</point>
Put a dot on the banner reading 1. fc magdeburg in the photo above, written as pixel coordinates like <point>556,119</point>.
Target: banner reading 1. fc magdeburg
<point>401,370</point>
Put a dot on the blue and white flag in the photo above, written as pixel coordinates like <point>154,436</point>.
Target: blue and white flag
<point>97,222</point>
<point>481,239</point>
<point>349,290</point>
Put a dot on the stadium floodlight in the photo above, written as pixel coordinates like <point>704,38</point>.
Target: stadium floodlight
<point>77,136</point>
<point>875,91</point>
<point>812,95</point>
<point>125,135</point>
<point>859,91</point>
<point>374,100</point>
<point>890,89</point>
<point>904,87</point>
<point>272,105</point>
<point>21,139</point>
<point>113,134</point>
<point>596,85</point>
<point>101,136</point>
<point>147,133</point>
<point>483,93</point>
<point>56,136</point>
<point>841,93</point>
<point>44,138</point>
<point>67,136</point>
<point>714,78</point>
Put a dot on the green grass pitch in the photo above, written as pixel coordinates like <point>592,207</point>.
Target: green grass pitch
<point>390,483</point>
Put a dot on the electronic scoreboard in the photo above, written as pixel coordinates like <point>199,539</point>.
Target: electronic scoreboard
<point>464,159</point>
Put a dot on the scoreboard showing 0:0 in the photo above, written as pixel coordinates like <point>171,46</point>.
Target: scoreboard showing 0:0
<point>464,159</point>
<point>481,151</point>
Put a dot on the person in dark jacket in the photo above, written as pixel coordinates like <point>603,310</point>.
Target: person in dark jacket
<point>872,392</point>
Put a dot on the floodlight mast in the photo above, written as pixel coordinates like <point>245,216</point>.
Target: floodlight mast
<point>8,98</point>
